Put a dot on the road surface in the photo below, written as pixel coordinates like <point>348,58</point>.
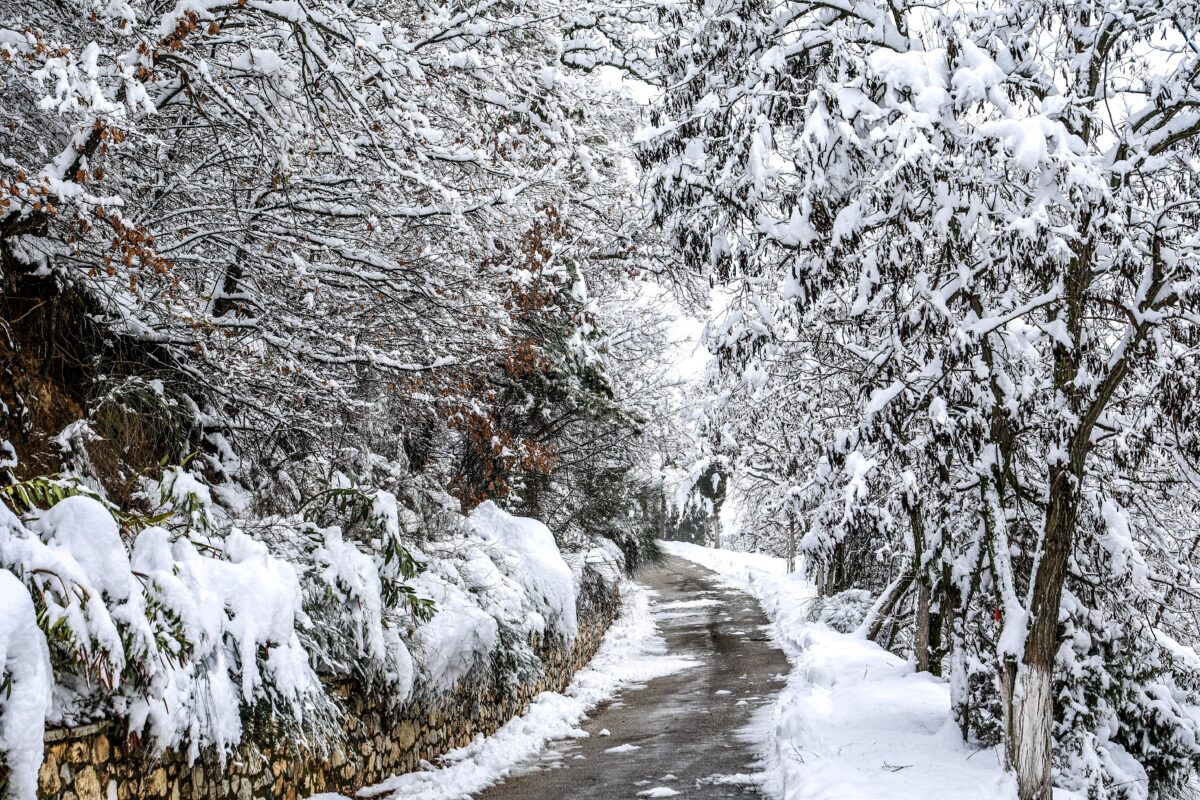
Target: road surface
<point>687,735</point>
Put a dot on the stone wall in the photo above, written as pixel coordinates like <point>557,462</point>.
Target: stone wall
<point>97,762</point>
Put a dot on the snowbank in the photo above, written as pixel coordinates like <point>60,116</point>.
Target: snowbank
<point>632,652</point>
<point>854,721</point>
<point>533,560</point>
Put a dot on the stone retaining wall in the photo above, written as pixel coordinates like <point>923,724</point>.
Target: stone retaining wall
<point>97,763</point>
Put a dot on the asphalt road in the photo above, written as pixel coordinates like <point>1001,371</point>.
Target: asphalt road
<point>685,735</point>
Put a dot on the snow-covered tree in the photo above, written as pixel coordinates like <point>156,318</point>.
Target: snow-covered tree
<point>291,287</point>
<point>301,216</point>
<point>979,221</point>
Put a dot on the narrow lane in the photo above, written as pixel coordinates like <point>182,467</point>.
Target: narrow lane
<point>686,735</point>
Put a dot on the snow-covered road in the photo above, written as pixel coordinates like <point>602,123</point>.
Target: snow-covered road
<point>691,733</point>
<point>854,722</point>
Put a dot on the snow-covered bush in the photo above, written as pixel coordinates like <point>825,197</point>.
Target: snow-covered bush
<point>1129,716</point>
<point>501,586</point>
<point>26,681</point>
<point>975,696</point>
<point>535,564</point>
<point>178,636</point>
<point>844,611</point>
<point>199,635</point>
<point>597,571</point>
<point>352,631</point>
<point>359,598</point>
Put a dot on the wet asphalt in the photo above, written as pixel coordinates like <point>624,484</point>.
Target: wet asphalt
<point>692,730</point>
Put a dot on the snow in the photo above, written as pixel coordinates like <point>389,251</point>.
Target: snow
<point>854,722</point>
<point>83,528</point>
<point>606,559</point>
<point>881,397</point>
<point>25,664</point>
<point>229,610</point>
<point>183,487</point>
<point>921,73</point>
<point>1118,541</point>
<point>458,636</point>
<point>534,561</point>
<point>261,596</point>
<point>258,61</point>
<point>857,468</point>
<point>74,576</point>
<point>353,577</point>
<point>632,652</point>
<point>690,604</point>
<point>1029,141</point>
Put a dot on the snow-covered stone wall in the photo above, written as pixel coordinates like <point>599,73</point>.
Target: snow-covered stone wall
<point>97,762</point>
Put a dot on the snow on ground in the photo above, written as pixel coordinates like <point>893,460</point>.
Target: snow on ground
<point>632,652</point>
<point>854,721</point>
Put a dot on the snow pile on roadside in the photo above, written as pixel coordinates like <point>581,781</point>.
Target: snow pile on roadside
<point>498,570</point>
<point>533,560</point>
<point>632,652</point>
<point>854,722</point>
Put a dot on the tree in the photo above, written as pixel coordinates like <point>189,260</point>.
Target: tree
<point>299,283</point>
<point>982,218</point>
<point>301,225</point>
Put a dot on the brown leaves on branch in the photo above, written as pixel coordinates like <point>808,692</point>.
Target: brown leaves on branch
<point>498,456</point>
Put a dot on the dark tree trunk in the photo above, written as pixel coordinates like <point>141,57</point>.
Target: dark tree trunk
<point>1028,701</point>
<point>791,548</point>
<point>896,593</point>
<point>1031,718</point>
<point>921,633</point>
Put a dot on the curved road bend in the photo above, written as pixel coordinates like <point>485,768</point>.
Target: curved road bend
<point>682,735</point>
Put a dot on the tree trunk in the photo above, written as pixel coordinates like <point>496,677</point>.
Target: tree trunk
<point>937,634</point>
<point>1029,723</point>
<point>884,607</point>
<point>1008,680</point>
<point>921,623</point>
<point>921,630</point>
<point>714,531</point>
<point>662,510</point>
<point>836,571</point>
<point>1030,719</point>
<point>791,549</point>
